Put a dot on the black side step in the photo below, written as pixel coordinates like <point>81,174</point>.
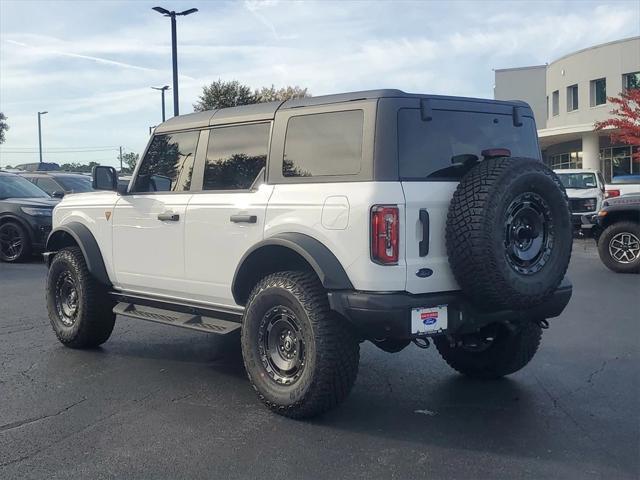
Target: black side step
<point>179,319</point>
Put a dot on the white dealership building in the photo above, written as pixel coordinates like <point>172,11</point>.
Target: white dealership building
<point>569,95</point>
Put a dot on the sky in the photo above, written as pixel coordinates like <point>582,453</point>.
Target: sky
<point>91,64</point>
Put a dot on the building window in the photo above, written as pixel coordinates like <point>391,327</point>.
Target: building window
<point>598,92</point>
<point>630,80</point>
<point>547,104</point>
<point>566,160</point>
<point>617,162</point>
<point>572,98</point>
<point>555,103</point>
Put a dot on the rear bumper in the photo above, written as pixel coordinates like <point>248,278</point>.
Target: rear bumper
<point>388,315</point>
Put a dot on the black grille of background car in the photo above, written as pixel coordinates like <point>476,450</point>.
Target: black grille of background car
<point>580,205</point>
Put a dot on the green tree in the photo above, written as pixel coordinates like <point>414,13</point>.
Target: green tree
<point>273,94</point>
<point>221,94</point>
<point>129,162</point>
<point>3,127</point>
<point>78,167</point>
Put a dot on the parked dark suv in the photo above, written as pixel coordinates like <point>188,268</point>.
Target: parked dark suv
<point>58,184</point>
<point>25,218</point>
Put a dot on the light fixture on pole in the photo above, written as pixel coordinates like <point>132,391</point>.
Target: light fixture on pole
<point>162,90</point>
<point>40,133</point>
<point>174,49</point>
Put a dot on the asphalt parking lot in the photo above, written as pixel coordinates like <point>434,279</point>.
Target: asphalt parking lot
<point>158,402</point>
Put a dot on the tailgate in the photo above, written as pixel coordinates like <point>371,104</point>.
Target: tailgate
<point>432,199</point>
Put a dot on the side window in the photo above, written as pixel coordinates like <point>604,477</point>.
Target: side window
<point>323,144</point>
<point>236,156</point>
<point>168,164</point>
<point>48,185</point>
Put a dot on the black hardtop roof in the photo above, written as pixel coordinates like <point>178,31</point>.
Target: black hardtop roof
<point>267,111</point>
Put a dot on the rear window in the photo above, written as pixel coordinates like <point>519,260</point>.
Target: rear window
<point>323,144</point>
<point>444,147</point>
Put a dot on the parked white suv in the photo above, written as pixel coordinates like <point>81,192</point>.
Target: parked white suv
<point>317,223</point>
<point>586,192</point>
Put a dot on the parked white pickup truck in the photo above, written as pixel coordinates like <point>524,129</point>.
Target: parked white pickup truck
<point>623,185</point>
<point>586,192</point>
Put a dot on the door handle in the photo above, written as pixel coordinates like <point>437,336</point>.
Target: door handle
<point>423,246</point>
<point>168,217</point>
<point>244,218</point>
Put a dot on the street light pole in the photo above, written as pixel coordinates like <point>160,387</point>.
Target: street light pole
<point>162,90</point>
<point>174,49</point>
<point>40,134</point>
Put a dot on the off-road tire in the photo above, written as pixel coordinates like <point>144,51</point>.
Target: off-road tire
<point>94,318</point>
<point>604,242</point>
<point>26,248</point>
<point>511,351</point>
<point>476,233</point>
<point>331,349</point>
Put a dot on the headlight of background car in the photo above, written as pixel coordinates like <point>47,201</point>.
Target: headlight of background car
<point>37,212</point>
<point>590,204</point>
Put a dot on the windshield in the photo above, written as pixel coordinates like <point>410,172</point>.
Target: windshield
<point>578,180</point>
<point>75,184</point>
<point>17,187</point>
<point>448,145</point>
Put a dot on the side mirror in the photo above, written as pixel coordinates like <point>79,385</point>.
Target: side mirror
<point>104,178</point>
<point>57,194</point>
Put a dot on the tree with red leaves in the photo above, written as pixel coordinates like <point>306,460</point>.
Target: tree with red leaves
<point>625,121</point>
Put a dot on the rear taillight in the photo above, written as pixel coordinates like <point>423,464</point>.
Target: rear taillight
<point>611,193</point>
<point>385,228</point>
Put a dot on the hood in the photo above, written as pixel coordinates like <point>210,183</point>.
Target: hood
<point>583,192</point>
<point>32,202</point>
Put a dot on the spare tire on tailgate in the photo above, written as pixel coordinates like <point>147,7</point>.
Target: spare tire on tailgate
<point>508,233</point>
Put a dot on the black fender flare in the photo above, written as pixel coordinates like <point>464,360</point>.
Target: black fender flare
<point>323,262</point>
<point>88,245</point>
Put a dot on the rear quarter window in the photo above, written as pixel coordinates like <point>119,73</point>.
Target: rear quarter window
<point>324,144</point>
<point>438,148</point>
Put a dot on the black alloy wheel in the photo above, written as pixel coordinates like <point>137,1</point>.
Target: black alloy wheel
<point>14,242</point>
<point>528,233</point>
<point>282,346</point>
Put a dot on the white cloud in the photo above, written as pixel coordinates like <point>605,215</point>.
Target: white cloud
<point>92,63</point>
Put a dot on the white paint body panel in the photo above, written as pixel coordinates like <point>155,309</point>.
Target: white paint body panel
<point>196,257</point>
<point>89,210</point>
<point>214,245</point>
<point>148,254</point>
<point>299,208</point>
<point>434,197</point>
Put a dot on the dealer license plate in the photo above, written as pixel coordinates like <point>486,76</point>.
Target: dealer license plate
<point>429,320</point>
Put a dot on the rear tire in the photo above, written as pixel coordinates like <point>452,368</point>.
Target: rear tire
<point>15,244</point>
<point>619,247</point>
<point>511,349</point>
<point>301,359</point>
<point>80,309</point>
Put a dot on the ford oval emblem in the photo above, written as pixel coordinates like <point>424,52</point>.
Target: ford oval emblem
<point>424,273</point>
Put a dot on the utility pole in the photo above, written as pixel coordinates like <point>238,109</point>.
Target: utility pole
<point>121,159</point>
<point>40,134</point>
<point>174,49</point>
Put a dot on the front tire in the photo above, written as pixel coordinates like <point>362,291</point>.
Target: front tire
<point>495,351</point>
<point>80,310</point>
<point>619,247</point>
<point>301,359</point>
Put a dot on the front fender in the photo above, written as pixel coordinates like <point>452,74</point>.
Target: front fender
<point>81,236</point>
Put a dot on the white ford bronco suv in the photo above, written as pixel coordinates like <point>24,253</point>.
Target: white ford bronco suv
<point>314,224</point>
